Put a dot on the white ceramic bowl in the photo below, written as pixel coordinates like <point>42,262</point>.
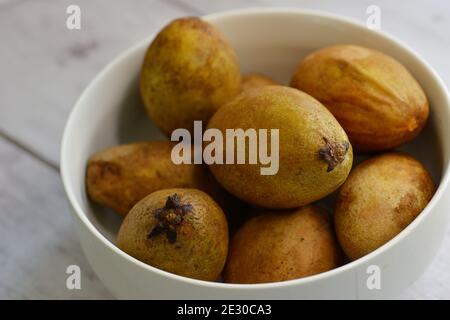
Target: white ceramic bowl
<point>271,41</point>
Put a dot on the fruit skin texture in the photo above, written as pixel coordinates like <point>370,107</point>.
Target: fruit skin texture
<point>306,130</point>
<point>201,245</point>
<point>189,71</point>
<point>375,99</point>
<point>120,176</point>
<point>255,80</point>
<point>380,198</point>
<point>281,246</point>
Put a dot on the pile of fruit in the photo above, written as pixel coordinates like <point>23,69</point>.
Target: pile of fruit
<point>341,99</point>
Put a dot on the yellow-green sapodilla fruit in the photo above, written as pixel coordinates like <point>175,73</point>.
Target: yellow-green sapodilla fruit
<point>314,153</point>
<point>182,231</point>
<point>375,98</point>
<point>189,71</point>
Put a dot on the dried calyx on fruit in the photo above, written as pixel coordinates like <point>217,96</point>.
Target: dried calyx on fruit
<point>169,217</point>
<point>333,153</point>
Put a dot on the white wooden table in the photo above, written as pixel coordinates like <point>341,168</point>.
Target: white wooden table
<point>44,67</point>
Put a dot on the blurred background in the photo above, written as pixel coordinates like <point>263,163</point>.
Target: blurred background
<point>44,66</point>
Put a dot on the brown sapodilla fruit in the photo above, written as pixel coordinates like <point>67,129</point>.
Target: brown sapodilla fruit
<point>255,80</point>
<point>315,155</point>
<point>281,246</point>
<point>376,100</point>
<point>189,71</point>
<point>380,198</point>
<point>182,231</point>
<point>120,176</point>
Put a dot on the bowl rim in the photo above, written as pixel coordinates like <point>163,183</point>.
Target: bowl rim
<point>82,217</point>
